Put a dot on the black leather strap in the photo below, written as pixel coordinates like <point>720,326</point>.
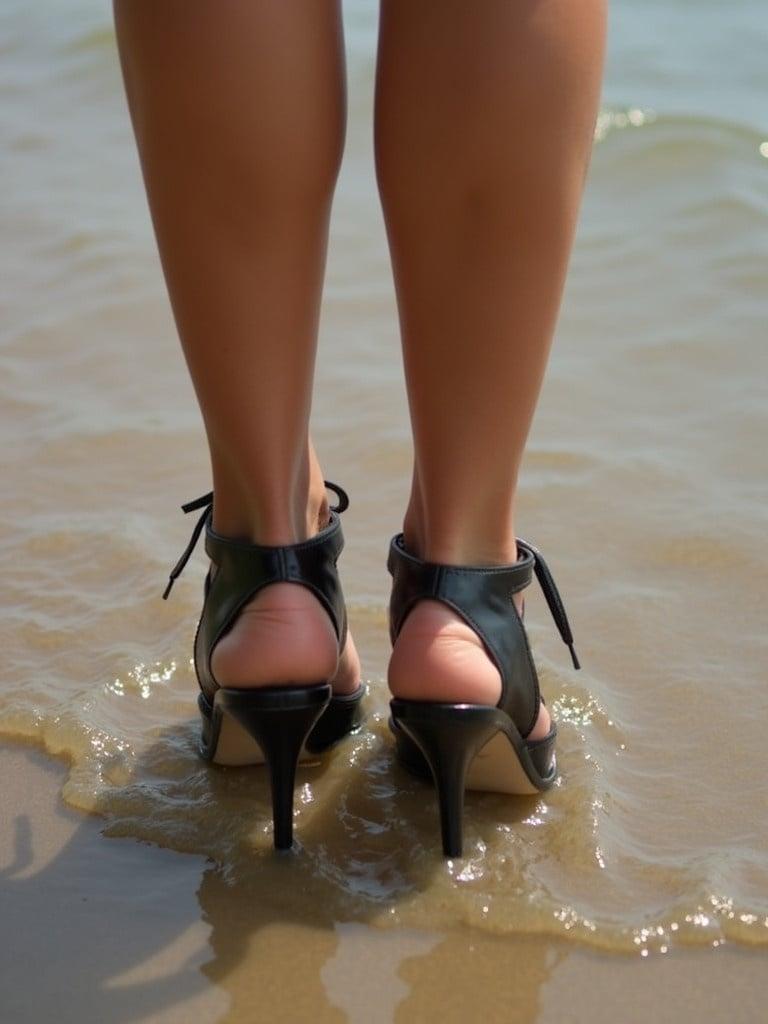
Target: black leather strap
<point>482,596</point>
<point>242,569</point>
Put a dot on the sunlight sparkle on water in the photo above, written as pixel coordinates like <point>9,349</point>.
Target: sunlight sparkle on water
<point>633,117</point>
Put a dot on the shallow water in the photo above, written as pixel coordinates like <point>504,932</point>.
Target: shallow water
<point>644,485</point>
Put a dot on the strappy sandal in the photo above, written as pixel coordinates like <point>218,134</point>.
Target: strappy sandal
<point>476,746</point>
<point>279,725</point>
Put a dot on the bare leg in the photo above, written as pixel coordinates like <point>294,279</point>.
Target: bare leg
<point>238,108</point>
<point>485,116</point>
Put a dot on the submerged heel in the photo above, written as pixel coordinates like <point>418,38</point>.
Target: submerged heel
<point>449,736</point>
<point>279,720</point>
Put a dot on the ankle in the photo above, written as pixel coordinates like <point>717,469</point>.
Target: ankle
<point>457,532</point>
<point>269,515</point>
<point>459,545</point>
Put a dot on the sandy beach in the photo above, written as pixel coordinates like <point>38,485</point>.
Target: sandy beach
<point>137,882</point>
<point>99,929</point>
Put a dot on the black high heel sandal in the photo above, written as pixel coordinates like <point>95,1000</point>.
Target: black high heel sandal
<point>279,725</point>
<point>476,746</point>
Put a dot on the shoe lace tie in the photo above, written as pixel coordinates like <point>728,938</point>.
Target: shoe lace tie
<point>205,502</point>
<point>554,601</point>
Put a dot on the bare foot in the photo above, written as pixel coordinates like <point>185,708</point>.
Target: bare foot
<point>439,657</point>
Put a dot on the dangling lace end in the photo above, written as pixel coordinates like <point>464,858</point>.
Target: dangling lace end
<point>554,601</point>
<point>202,502</point>
<point>205,503</point>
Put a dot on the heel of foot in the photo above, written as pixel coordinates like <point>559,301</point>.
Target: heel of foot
<point>283,635</point>
<point>438,657</point>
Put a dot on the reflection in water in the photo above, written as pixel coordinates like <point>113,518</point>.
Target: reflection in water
<point>367,848</point>
<point>130,932</point>
<point>143,948</point>
<point>133,933</point>
<point>267,951</point>
<point>378,957</point>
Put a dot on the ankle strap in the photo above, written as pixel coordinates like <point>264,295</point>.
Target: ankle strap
<point>242,569</point>
<point>205,502</point>
<point>431,579</point>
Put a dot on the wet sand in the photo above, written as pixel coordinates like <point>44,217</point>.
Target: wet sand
<point>101,929</point>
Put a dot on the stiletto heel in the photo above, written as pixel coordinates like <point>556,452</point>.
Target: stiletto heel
<point>279,725</point>
<point>476,746</point>
<point>449,737</point>
<point>279,720</point>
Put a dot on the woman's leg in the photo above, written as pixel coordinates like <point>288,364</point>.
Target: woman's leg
<point>485,116</point>
<point>238,108</point>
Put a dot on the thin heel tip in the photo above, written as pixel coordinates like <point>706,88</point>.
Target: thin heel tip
<point>453,843</point>
<point>574,657</point>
